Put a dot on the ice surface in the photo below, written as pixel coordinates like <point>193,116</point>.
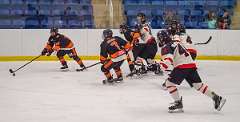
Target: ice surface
<point>42,93</point>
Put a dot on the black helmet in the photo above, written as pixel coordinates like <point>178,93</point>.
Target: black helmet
<point>107,33</point>
<point>163,38</point>
<point>182,28</point>
<point>54,30</point>
<point>142,17</point>
<point>173,28</point>
<point>123,28</point>
<point>174,24</point>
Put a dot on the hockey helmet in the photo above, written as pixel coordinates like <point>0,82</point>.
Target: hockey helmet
<point>54,29</point>
<point>182,28</point>
<point>107,33</point>
<point>123,28</point>
<point>174,24</point>
<point>141,18</point>
<point>163,38</point>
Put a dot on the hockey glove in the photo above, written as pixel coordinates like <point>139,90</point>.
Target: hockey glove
<point>44,51</point>
<point>50,52</point>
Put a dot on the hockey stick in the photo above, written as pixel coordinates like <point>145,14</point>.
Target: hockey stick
<point>203,43</point>
<point>13,71</point>
<point>88,67</point>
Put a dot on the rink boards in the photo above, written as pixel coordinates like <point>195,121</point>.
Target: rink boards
<point>24,44</point>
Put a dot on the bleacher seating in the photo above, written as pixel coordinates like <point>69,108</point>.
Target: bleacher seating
<point>5,23</point>
<point>79,13</point>
<point>18,23</point>
<point>46,13</point>
<point>3,2</point>
<point>192,13</point>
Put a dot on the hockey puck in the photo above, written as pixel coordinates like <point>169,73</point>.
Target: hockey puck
<point>10,70</point>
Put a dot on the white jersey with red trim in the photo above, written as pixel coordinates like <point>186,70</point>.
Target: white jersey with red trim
<point>183,37</point>
<point>177,55</point>
<point>146,34</point>
<point>167,57</point>
<point>182,57</point>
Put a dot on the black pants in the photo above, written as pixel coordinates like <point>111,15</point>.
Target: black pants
<point>190,75</point>
<point>112,65</point>
<point>145,51</point>
<point>71,53</point>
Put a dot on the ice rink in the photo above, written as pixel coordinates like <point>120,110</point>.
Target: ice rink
<point>42,93</point>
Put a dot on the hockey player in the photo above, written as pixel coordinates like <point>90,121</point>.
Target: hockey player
<point>147,46</point>
<point>132,38</point>
<point>185,68</point>
<point>62,45</point>
<point>172,29</point>
<point>166,57</point>
<point>112,55</point>
<point>178,33</point>
<point>166,62</point>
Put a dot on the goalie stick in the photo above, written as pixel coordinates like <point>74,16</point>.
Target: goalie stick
<point>203,43</point>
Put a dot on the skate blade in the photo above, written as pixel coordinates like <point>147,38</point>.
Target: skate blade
<point>135,76</point>
<point>80,70</point>
<point>223,101</point>
<point>64,70</point>
<point>105,82</point>
<point>176,111</point>
<point>112,83</point>
<point>119,82</point>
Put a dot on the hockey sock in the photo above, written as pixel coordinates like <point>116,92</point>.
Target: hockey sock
<point>118,72</point>
<point>203,88</point>
<point>172,89</point>
<point>63,62</point>
<point>78,60</point>
<point>108,75</point>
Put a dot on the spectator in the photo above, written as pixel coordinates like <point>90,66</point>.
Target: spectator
<point>68,14</point>
<point>68,11</point>
<point>224,21</point>
<point>212,20</point>
<point>169,16</point>
<point>32,15</point>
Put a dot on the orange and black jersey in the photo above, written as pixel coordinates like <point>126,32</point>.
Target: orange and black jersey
<point>131,36</point>
<point>113,48</point>
<point>59,41</point>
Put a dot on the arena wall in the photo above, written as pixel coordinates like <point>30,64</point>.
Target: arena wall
<point>23,44</point>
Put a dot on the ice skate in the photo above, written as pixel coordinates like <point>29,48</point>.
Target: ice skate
<point>64,68</point>
<point>176,107</point>
<point>82,68</point>
<point>218,102</point>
